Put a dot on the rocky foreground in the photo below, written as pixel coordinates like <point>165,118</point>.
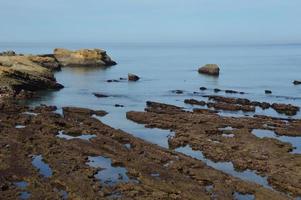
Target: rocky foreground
<point>232,139</point>
<point>144,170</point>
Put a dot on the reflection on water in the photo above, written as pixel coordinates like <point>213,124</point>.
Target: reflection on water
<point>295,141</point>
<point>226,167</point>
<point>23,186</point>
<point>43,168</point>
<point>108,174</point>
<point>69,137</point>
<point>239,196</point>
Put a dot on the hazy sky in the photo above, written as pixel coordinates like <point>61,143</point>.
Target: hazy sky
<point>212,21</point>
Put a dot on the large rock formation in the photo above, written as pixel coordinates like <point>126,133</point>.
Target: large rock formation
<point>83,57</point>
<point>210,69</point>
<point>20,73</point>
<point>47,61</point>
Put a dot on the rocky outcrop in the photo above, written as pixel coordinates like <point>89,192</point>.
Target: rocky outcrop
<point>133,77</point>
<point>210,69</point>
<point>83,57</point>
<point>20,73</point>
<point>47,61</point>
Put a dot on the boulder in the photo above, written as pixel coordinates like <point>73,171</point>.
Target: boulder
<point>133,77</point>
<point>20,73</point>
<point>297,82</point>
<point>210,69</point>
<point>83,57</point>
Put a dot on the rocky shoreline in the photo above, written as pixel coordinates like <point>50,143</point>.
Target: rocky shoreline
<point>83,158</point>
<point>21,75</point>
<point>152,172</point>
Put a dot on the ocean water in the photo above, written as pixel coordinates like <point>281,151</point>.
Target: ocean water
<point>165,67</point>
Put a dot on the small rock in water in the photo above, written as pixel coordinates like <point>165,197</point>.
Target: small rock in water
<point>210,69</point>
<point>217,90</point>
<point>111,81</point>
<point>99,95</point>
<point>268,91</point>
<point>118,105</point>
<point>231,91</point>
<point>297,82</point>
<point>133,77</point>
<point>203,88</point>
<point>177,91</point>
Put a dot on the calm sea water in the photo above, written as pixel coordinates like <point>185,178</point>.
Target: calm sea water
<point>166,67</point>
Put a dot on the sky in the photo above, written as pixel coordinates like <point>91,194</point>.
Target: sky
<point>205,21</point>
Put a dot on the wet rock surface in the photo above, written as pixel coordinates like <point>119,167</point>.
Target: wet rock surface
<point>180,176</point>
<point>201,129</point>
<point>230,103</point>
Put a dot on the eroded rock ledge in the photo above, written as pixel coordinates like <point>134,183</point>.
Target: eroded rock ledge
<point>27,73</point>
<point>206,131</point>
<point>157,173</point>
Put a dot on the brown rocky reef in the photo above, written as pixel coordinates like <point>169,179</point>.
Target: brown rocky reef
<point>111,165</point>
<point>230,139</point>
<point>231,103</point>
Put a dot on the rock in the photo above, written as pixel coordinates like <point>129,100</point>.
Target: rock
<point>177,91</point>
<point>83,57</point>
<point>20,73</point>
<point>231,107</point>
<point>133,77</point>
<point>194,102</point>
<point>113,81</point>
<point>119,105</point>
<point>231,91</point>
<point>297,82</point>
<point>286,109</point>
<point>99,95</point>
<point>203,88</point>
<point>210,69</point>
<point>81,112</point>
<point>216,90</point>
<point>46,61</point>
<point>268,91</point>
